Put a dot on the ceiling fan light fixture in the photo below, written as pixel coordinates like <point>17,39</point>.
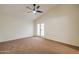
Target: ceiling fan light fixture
<point>35,9</point>
<point>34,12</point>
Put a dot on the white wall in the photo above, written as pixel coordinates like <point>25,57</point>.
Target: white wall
<point>12,27</point>
<point>62,24</point>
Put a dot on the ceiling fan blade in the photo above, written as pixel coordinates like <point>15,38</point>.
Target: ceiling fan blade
<point>39,11</point>
<point>29,11</point>
<point>38,7</point>
<point>29,8</point>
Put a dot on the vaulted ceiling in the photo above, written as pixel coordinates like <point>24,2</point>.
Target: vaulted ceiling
<point>20,10</point>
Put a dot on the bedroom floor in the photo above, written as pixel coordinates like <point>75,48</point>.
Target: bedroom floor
<point>36,45</point>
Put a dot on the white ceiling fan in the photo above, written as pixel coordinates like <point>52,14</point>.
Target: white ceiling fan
<point>35,9</point>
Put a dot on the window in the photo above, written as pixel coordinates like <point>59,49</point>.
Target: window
<point>40,29</point>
